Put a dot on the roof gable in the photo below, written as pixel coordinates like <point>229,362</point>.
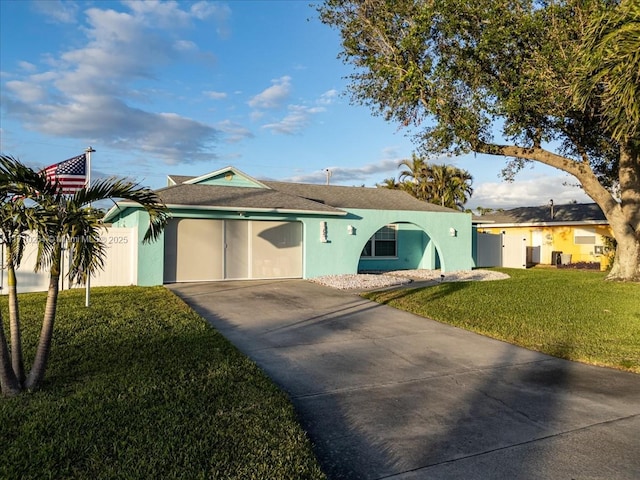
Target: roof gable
<point>225,177</point>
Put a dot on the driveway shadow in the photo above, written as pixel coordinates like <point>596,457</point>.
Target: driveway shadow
<point>386,394</point>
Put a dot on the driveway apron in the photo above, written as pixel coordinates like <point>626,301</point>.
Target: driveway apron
<point>386,394</point>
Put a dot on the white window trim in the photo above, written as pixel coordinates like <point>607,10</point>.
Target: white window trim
<point>372,239</point>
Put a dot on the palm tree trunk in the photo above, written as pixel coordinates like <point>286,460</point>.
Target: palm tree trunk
<point>9,384</point>
<point>17,360</point>
<point>46,333</point>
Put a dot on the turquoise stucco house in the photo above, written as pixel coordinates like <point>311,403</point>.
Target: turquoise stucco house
<point>227,225</point>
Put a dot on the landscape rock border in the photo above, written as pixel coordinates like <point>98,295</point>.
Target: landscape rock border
<point>370,281</point>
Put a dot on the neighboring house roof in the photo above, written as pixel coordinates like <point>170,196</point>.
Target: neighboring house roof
<point>572,213</point>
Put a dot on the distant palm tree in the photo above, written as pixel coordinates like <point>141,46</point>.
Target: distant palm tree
<point>66,219</point>
<point>414,173</point>
<point>389,183</point>
<point>447,186</point>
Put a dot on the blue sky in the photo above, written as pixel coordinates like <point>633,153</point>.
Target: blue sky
<point>187,88</point>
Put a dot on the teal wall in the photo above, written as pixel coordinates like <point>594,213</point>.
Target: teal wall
<point>414,250</point>
<point>150,255</point>
<point>342,253</point>
<point>424,240</point>
<point>233,180</point>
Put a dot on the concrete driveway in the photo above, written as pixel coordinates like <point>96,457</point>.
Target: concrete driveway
<point>386,394</point>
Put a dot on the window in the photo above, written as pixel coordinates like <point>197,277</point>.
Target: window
<point>382,244</point>
<point>584,236</point>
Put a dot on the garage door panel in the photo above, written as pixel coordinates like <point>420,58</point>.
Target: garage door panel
<point>237,249</point>
<point>205,250</point>
<point>194,250</point>
<point>276,249</point>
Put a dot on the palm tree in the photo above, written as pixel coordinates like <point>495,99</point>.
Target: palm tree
<point>389,183</point>
<point>15,221</point>
<point>607,84</point>
<point>609,75</point>
<point>63,218</point>
<point>414,173</point>
<point>447,186</point>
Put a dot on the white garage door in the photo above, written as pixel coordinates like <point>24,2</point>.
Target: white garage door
<point>204,250</point>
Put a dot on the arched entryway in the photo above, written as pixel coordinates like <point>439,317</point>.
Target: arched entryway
<point>398,246</point>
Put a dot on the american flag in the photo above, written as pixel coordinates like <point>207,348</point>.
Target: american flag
<point>71,175</point>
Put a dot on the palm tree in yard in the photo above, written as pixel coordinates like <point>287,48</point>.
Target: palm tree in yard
<point>16,220</point>
<point>64,219</point>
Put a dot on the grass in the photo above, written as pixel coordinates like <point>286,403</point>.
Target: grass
<point>139,386</point>
<point>569,314</point>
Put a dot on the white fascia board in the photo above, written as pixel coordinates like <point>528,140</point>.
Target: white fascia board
<point>255,210</point>
<point>548,224</point>
<point>125,204</point>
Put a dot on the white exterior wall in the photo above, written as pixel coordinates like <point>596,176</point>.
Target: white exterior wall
<point>119,266</point>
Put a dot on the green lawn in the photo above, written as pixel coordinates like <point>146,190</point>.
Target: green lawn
<point>139,386</point>
<point>570,314</point>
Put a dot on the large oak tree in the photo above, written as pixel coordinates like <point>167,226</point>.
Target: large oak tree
<point>529,80</point>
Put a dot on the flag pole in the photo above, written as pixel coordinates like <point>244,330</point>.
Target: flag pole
<point>87,292</point>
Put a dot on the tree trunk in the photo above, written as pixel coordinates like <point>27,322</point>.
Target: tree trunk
<point>14,320</point>
<point>46,334</point>
<point>623,216</point>
<point>626,265</point>
<point>625,219</point>
<point>9,384</point>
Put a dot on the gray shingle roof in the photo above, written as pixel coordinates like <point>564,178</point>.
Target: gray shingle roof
<point>357,197</point>
<point>178,179</point>
<point>573,212</point>
<point>294,195</point>
<point>239,198</point>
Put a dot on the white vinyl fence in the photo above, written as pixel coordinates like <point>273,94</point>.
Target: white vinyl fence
<point>119,266</point>
<point>500,250</point>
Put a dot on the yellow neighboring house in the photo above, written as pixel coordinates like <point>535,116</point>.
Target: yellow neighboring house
<point>555,234</point>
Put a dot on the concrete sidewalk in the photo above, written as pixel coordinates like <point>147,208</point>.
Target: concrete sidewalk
<point>387,394</point>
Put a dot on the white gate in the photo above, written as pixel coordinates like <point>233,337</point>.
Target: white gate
<point>119,265</point>
<point>514,251</point>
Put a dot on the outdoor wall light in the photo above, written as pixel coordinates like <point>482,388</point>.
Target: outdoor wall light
<point>351,230</point>
<point>453,232</point>
<point>323,232</point>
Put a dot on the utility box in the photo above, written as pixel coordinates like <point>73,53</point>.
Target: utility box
<point>556,258</point>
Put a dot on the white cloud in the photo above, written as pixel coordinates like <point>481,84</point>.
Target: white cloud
<point>27,66</point>
<point>26,91</point>
<point>327,97</point>
<point>295,121</point>
<point>234,132</point>
<point>184,46</point>
<point>351,175</point>
<point>213,95</point>
<point>87,93</point>
<point>56,10</point>
<point>527,193</point>
<point>274,96</point>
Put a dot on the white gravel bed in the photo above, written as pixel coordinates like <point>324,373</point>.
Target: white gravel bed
<point>365,281</point>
